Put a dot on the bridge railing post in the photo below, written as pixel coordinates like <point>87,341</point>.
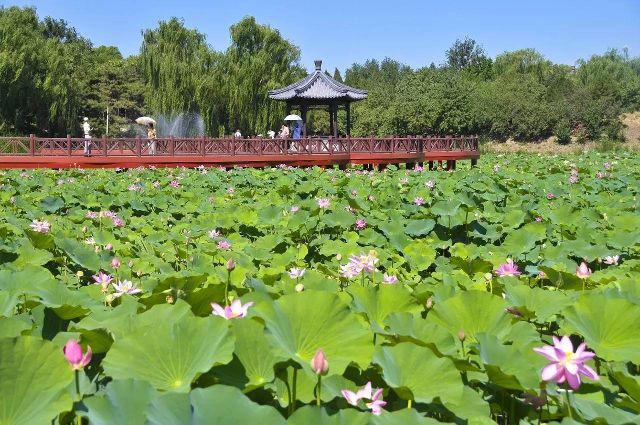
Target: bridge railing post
<point>104,146</point>
<point>32,144</point>
<point>138,146</point>
<point>69,144</point>
<point>202,146</point>
<point>172,146</point>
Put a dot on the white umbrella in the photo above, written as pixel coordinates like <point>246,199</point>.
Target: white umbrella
<point>293,117</point>
<point>145,121</point>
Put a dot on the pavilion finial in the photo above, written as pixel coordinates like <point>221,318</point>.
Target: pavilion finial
<point>318,63</point>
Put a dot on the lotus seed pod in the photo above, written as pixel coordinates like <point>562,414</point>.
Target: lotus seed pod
<point>299,287</point>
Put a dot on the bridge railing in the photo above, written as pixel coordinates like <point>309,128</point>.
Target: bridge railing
<point>176,146</point>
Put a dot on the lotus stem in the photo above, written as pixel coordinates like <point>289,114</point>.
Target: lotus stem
<point>292,405</point>
<point>226,288</point>
<point>318,391</point>
<point>566,392</point>
<point>78,395</point>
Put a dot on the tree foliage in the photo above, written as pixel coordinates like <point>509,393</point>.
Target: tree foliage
<point>50,77</point>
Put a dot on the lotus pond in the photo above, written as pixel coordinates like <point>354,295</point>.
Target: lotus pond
<point>310,296</point>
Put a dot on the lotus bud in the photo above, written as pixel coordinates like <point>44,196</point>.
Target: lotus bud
<point>115,263</point>
<point>73,353</point>
<point>488,276</point>
<point>231,264</point>
<point>429,303</point>
<point>299,287</point>
<point>108,247</point>
<point>582,271</point>
<point>319,363</point>
<point>461,335</point>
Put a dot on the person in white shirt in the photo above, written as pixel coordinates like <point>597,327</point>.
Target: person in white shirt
<point>237,134</point>
<point>271,134</point>
<point>86,128</point>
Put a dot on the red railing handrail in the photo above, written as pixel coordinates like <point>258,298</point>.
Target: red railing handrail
<point>202,146</point>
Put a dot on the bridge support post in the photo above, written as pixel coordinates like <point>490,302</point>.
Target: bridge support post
<point>430,165</point>
<point>411,165</point>
<point>342,166</point>
<point>474,162</point>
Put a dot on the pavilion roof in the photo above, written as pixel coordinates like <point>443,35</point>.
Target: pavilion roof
<point>318,86</point>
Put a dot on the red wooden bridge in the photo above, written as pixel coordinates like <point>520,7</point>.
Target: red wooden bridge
<point>39,152</point>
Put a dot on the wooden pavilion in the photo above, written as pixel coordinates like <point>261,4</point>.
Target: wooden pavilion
<point>319,91</point>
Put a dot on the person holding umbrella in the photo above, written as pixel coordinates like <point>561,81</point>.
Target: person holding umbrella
<point>151,135</point>
<point>151,132</point>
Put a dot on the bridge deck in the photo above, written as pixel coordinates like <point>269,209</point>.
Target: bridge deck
<point>36,152</point>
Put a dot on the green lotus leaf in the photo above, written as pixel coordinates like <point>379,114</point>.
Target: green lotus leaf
<point>314,415</point>
<point>123,401</point>
<point>28,255</point>
<point>300,324</point>
<point>80,254</point>
<point>220,404</point>
<point>419,227</point>
<point>169,409</point>
<point>609,326</point>
<point>11,327</point>
<point>416,373</point>
<point>254,352</point>
<point>598,411</point>
<point>472,312</point>
<point>380,301</point>
<point>541,303</point>
<point>171,354</point>
<point>420,254</point>
<point>34,376</point>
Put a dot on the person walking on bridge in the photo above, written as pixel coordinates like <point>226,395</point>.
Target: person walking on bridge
<point>86,128</point>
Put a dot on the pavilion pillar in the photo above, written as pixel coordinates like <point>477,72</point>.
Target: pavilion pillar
<point>335,120</point>
<point>288,110</point>
<point>303,111</point>
<point>331,119</point>
<point>348,119</point>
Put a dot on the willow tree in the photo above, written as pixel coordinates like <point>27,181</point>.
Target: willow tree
<point>259,59</point>
<point>175,60</point>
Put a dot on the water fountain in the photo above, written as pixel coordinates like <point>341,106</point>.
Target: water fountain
<point>186,124</point>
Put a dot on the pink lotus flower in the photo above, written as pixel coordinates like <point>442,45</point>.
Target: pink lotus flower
<point>350,270</point>
<point>550,196</point>
<point>115,263</point>
<point>294,209</point>
<point>538,219</point>
<point>418,201</point>
<point>295,273</point>
<point>496,168</point>
<point>607,166</point>
<point>125,287</point>
<point>611,260</point>
<point>235,311</point>
<point>354,192</point>
<point>319,363</point>
<point>542,275</point>
<point>156,184</point>
<point>73,353</point>
<point>599,174</point>
<point>224,245</point>
<point>323,203</point>
<point>40,226</point>
<point>92,215</point>
<point>102,278</point>
<point>389,279</point>
<point>404,180</point>
<point>360,224</point>
<point>231,190</point>
<point>108,247</point>
<point>573,179</point>
<point>430,184</point>
<point>231,264</point>
<point>174,183</point>
<point>213,233</point>
<point>566,365</point>
<point>366,393</point>
<point>582,271</point>
<point>117,222</point>
<point>508,269</point>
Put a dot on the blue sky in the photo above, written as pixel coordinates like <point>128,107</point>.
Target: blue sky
<point>342,32</point>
